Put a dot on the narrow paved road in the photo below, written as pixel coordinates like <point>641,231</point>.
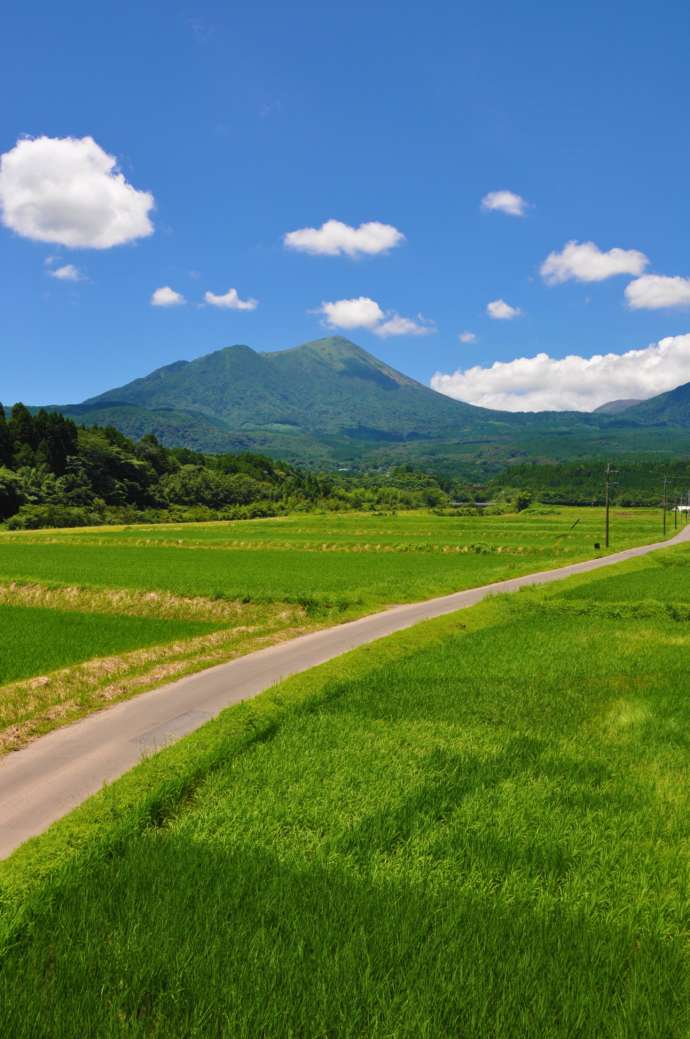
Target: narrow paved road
<point>51,776</point>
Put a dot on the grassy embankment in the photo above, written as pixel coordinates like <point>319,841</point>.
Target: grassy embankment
<point>478,827</point>
<point>244,585</point>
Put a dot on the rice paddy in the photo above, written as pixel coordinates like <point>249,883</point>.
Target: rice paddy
<point>478,827</point>
<point>250,582</point>
<point>342,561</point>
<point>35,640</point>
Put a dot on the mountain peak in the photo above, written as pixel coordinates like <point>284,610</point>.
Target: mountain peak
<point>329,386</point>
<point>329,346</point>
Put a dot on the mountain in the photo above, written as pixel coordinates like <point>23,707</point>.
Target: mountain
<point>329,402</point>
<point>671,408</point>
<point>615,407</point>
<point>330,386</point>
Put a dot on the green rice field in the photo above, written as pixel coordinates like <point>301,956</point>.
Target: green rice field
<point>36,640</point>
<point>346,561</point>
<point>476,828</point>
<point>111,590</point>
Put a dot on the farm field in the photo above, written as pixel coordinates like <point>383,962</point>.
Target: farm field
<point>254,581</point>
<point>340,561</point>
<point>540,529</point>
<point>38,639</point>
<point>475,827</point>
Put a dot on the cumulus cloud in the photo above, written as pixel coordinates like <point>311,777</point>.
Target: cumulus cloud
<point>396,325</point>
<point>504,202</point>
<point>337,239</point>
<point>467,337</point>
<point>656,291</point>
<point>585,261</point>
<point>363,312</point>
<point>66,273</point>
<point>167,297</point>
<point>352,313</point>
<point>573,383</point>
<point>230,301</point>
<point>499,310</point>
<point>69,191</point>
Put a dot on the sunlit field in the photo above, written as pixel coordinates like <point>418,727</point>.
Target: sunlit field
<point>478,827</point>
<point>326,560</point>
<point>35,640</point>
<point>254,581</point>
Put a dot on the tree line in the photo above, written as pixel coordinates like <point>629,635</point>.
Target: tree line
<point>56,473</point>
<point>582,483</point>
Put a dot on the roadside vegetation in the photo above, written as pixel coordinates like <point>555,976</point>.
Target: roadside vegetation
<point>96,615</point>
<point>476,827</point>
<point>117,645</point>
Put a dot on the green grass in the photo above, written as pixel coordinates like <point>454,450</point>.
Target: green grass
<point>372,561</point>
<point>478,828</point>
<point>665,574</point>
<point>540,528</point>
<point>270,578</point>
<point>34,641</point>
<point>329,578</point>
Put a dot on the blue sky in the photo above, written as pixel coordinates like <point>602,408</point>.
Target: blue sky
<point>246,123</point>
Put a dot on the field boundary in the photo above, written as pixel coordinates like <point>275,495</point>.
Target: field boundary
<point>53,775</point>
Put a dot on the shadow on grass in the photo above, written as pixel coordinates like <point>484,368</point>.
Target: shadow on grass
<point>175,938</point>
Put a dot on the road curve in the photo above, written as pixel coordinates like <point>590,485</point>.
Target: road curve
<point>51,776</point>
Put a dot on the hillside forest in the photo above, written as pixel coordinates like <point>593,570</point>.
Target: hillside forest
<point>56,473</point>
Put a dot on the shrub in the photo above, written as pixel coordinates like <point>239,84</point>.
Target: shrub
<point>34,517</point>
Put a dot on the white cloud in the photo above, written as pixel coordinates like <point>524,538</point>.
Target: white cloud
<point>363,312</point>
<point>352,313</point>
<point>69,191</point>
<point>585,261</point>
<point>467,337</point>
<point>167,297</point>
<point>396,325</point>
<point>575,383</point>
<point>230,301</point>
<point>499,310</point>
<point>504,202</point>
<point>66,273</point>
<point>336,239</point>
<point>655,291</point>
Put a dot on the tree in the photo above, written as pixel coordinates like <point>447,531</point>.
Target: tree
<point>5,439</point>
<point>10,493</point>
<point>22,426</point>
<point>56,438</point>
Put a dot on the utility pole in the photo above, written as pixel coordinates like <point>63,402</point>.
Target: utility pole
<point>607,478</point>
<point>665,502</point>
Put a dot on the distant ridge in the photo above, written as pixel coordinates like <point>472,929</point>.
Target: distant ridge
<point>616,407</point>
<point>671,408</point>
<point>331,403</point>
